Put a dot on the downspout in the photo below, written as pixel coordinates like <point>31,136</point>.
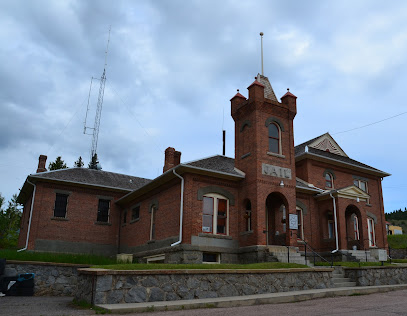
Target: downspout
<point>336,224</point>
<point>181,209</point>
<point>29,221</point>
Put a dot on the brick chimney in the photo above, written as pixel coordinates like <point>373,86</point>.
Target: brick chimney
<point>172,158</point>
<point>41,163</point>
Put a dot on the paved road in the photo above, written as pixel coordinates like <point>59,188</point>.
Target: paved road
<point>383,304</point>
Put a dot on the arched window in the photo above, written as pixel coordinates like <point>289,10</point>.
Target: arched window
<point>215,214</point>
<point>329,180</point>
<point>371,232</point>
<point>274,138</point>
<point>355,226</point>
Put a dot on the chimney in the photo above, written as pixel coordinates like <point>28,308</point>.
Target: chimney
<point>172,158</point>
<point>42,160</point>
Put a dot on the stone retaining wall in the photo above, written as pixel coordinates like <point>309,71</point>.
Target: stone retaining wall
<point>98,286</point>
<point>398,253</point>
<point>386,275</point>
<point>50,278</point>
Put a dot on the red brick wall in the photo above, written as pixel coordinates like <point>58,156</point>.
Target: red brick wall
<point>81,213</point>
<point>166,217</point>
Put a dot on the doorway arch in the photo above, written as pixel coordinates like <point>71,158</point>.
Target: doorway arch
<point>276,218</point>
<point>354,231</point>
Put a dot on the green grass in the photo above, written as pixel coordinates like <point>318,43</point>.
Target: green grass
<point>163,266</point>
<point>399,260</point>
<point>55,257</point>
<point>352,264</point>
<point>397,241</point>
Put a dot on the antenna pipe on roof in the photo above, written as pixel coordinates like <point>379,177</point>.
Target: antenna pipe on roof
<point>224,142</point>
<point>261,36</point>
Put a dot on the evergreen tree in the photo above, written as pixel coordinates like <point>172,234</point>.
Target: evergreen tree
<point>57,164</point>
<point>9,223</point>
<point>94,162</point>
<point>78,163</point>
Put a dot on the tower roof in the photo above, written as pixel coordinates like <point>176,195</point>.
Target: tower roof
<point>268,89</point>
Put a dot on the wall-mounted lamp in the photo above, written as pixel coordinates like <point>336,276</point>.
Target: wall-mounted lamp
<point>281,183</point>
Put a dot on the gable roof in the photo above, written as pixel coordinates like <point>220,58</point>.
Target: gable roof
<point>310,149</point>
<point>84,176</point>
<point>216,163</point>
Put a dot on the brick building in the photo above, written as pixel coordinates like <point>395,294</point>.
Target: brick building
<point>272,194</point>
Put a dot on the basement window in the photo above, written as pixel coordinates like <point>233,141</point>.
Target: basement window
<point>61,202</point>
<point>208,257</point>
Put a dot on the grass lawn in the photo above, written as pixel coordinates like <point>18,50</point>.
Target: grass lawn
<point>397,241</point>
<point>353,264</point>
<point>163,266</point>
<point>54,257</point>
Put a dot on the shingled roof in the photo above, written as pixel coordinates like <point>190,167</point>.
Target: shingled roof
<point>300,150</point>
<point>216,163</point>
<point>268,89</point>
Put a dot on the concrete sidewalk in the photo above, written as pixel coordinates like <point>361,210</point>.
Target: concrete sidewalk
<point>235,301</point>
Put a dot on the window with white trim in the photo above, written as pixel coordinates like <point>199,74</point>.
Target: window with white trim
<point>371,232</point>
<point>361,184</point>
<point>215,214</point>
<point>329,180</point>
<point>355,226</point>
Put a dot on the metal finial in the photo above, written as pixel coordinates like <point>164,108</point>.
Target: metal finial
<point>288,89</point>
<point>261,36</point>
<point>237,90</point>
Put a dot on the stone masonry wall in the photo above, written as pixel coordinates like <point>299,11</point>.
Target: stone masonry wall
<point>49,278</point>
<point>386,275</point>
<point>97,286</point>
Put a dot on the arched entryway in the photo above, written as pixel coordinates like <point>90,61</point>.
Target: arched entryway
<point>277,213</point>
<point>354,231</point>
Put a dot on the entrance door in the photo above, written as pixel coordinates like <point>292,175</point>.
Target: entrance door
<point>276,219</point>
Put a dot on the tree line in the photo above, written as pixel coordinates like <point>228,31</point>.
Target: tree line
<point>10,219</point>
<point>60,164</point>
<point>397,215</point>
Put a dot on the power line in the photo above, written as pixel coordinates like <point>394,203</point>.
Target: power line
<point>352,129</point>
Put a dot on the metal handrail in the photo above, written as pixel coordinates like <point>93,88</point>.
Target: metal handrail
<point>313,251</point>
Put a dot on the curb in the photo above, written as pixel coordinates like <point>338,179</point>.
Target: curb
<point>249,300</point>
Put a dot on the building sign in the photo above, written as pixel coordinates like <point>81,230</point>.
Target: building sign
<point>275,171</point>
<point>293,221</point>
<point>382,255</point>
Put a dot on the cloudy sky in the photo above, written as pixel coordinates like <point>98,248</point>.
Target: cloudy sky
<point>173,66</point>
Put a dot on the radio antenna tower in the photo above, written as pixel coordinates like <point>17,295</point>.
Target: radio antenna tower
<point>96,125</point>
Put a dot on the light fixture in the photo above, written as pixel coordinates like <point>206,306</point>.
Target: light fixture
<point>281,183</point>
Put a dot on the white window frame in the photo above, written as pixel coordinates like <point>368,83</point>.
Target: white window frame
<point>355,221</point>
<point>331,180</point>
<point>300,222</point>
<point>280,149</point>
<point>371,232</point>
<point>215,198</point>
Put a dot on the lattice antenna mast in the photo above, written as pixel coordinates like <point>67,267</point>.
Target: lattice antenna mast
<point>99,105</point>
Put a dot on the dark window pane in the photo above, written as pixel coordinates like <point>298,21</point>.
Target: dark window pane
<point>273,131</point>
<point>61,201</point>
<point>363,185</point>
<point>125,217</point>
<point>209,257</point>
<point>273,145</point>
<point>135,213</point>
<point>103,211</point>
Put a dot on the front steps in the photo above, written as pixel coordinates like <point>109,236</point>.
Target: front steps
<point>281,254</point>
<point>361,256</point>
<point>339,280</point>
